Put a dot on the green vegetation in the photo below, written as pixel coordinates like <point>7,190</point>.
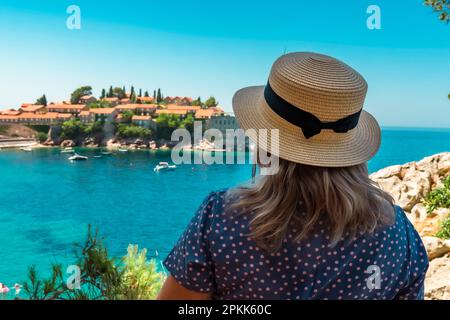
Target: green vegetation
<point>78,93</point>
<point>119,92</point>
<point>103,95</point>
<point>101,277</point>
<point>72,129</point>
<point>441,7</point>
<point>197,102</point>
<point>159,96</point>
<point>127,116</point>
<point>439,197</point>
<point>99,104</point>
<point>211,102</point>
<point>444,231</point>
<point>132,131</point>
<point>42,136</point>
<point>42,100</point>
<point>94,128</point>
<point>3,129</point>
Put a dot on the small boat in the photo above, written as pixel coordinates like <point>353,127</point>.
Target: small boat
<point>164,166</point>
<point>77,157</point>
<point>68,150</point>
<point>27,149</point>
<point>106,153</point>
<point>122,150</point>
<point>97,157</point>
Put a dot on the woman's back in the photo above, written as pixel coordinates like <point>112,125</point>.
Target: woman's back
<point>216,254</point>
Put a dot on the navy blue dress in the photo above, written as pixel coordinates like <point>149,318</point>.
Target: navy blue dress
<point>215,254</point>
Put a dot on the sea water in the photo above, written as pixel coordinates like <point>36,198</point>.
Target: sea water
<point>47,202</point>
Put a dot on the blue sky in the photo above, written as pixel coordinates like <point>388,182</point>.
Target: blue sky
<point>216,47</point>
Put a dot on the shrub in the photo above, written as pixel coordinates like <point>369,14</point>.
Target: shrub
<point>444,231</point>
<point>439,197</point>
<point>42,136</point>
<point>94,128</point>
<point>72,129</point>
<point>131,131</point>
<point>101,277</point>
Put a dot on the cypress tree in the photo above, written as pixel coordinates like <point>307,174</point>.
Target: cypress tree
<point>146,94</point>
<point>140,92</point>
<point>103,96</point>
<point>110,93</point>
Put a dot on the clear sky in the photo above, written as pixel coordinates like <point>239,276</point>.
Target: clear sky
<point>202,48</point>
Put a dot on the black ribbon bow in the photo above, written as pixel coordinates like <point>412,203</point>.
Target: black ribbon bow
<point>309,123</point>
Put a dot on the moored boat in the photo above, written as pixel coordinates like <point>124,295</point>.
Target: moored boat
<point>77,157</point>
<point>164,166</point>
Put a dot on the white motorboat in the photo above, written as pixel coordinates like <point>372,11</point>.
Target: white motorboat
<point>164,166</point>
<point>68,150</point>
<point>77,157</point>
<point>122,150</point>
<point>27,149</point>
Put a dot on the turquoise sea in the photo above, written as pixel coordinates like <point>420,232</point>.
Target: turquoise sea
<point>46,202</point>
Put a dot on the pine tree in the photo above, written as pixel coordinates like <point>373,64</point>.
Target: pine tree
<point>132,91</point>
<point>146,94</point>
<point>42,100</point>
<point>103,96</point>
<point>159,96</point>
<point>111,92</point>
<point>154,95</point>
<point>123,89</point>
<point>140,92</point>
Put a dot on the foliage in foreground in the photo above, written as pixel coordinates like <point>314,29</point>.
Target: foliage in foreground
<point>439,197</point>
<point>444,231</point>
<point>101,277</point>
<point>441,7</point>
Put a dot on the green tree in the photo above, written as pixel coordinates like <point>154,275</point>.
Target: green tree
<point>72,129</point>
<point>140,93</point>
<point>132,131</point>
<point>42,137</point>
<point>154,95</point>
<point>103,95</point>
<point>127,115</point>
<point>94,128</point>
<point>110,92</point>
<point>78,93</point>
<point>133,97</point>
<point>441,7</point>
<point>159,96</point>
<point>99,104</point>
<point>211,102</point>
<point>197,102</point>
<point>146,94</point>
<point>119,92</point>
<point>187,123</point>
<point>167,123</point>
<point>132,91</point>
<point>42,100</point>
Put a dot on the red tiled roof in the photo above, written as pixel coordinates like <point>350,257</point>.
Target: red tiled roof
<point>103,110</point>
<point>141,118</point>
<point>32,107</point>
<point>177,112</point>
<point>61,106</point>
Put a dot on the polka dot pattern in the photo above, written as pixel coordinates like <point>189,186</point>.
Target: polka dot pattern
<point>215,254</point>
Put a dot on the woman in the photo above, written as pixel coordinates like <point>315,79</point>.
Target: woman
<point>318,228</point>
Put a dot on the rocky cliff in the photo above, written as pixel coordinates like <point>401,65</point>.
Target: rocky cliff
<point>409,184</point>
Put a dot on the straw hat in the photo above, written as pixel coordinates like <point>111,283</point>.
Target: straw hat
<point>316,103</point>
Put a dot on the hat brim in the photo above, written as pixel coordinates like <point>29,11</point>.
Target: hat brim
<point>327,149</point>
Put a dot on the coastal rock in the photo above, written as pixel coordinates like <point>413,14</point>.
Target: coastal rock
<point>437,281</point>
<point>68,144</point>
<point>436,247</point>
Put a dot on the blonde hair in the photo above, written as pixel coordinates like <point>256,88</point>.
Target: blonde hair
<point>299,195</point>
